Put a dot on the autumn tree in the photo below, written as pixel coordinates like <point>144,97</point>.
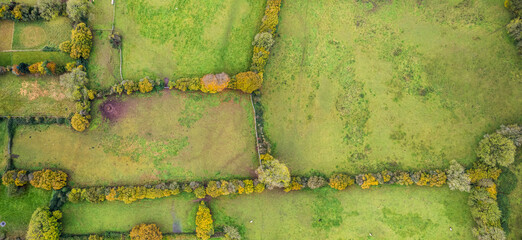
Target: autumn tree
<point>204,222</point>
<point>273,173</point>
<point>496,149</point>
<point>80,44</point>
<point>77,10</point>
<point>247,81</point>
<point>340,181</point>
<point>49,9</point>
<point>146,232</point>
<point>44,225</point>
<point>213,83</point>
<point>458,179</point>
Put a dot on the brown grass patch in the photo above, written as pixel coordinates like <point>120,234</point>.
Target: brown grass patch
<point>33,36</point>
<point>33,90</point>
<point>6,31</point>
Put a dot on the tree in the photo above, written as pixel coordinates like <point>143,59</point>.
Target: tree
<point>49,9</point>
<point>145,85</point>
<point>513,132</point>
<point>316,182</point>
<point>263,39</point>
<point>340,181</point>
<point>496,149</point>
<point>213,83</point>
<point>77,10</point>
<point>231,233</point>
<point>44,225</point>
<point>115,40</point>
<point>74,80</point>
<point>458,179</point>
<point>204,222</point>
<point>79,122</point>
<point>273,173</point>
<point>146,232</point>
<point>48,179</point>
<point>247,81</point>
<point>80,44</point>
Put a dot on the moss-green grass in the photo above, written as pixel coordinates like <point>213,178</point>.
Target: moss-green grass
<point>515,200</point>
<point>163,136</point>
<point>6,30</point>
<point>187,38</point>
<point>85,218</point>
<point>390,212</point>
<point>33,96</point>
<point>104,68</point>
<point>101,14</point>
<point>407,85</point>
<point>37,34</point>
<point>13,58</point>
<point>3,143</point>
<point>17,211</point>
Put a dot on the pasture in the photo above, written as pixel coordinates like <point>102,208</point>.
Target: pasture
<point>390,212</point>
<point>158,136</point>
<point>400,85</point>
<point>186,38</point>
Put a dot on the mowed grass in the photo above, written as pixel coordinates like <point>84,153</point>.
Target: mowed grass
<point>160,136</point>
<point>37,34</point>
<point>404,85</point>
<point>173,214</point>
<point>16,211</point>
<point>3,143</point>
<point>6,30</point>
<point>387,213</point>
<point>104,68</point>
<point>33,96</point>
<point>515,201</point>
<point>187,38</point>
<point>14,58</point>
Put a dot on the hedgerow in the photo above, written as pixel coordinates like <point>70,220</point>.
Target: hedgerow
<point>46,179</point>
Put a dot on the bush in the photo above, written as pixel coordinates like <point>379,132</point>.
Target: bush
<point>458,179</point>
<point>49,9</point>
<point>402,178</point>
<point>81,42</point>
<point>273,173</point>
<point>9,177</point>
<point>513,132</point>
<point>145,85</point>
<point>204,222</point>
<point>77,10</point>
<point>213,83</point>
<point>316,182</point>
<point>146,232</point>
<point>515,6</point>
<point>264,40</point>
<point>231,233</point>
<point>496,149</point>
<point>115,40</point>
<point>340,181</point>
<point>271,18</point>
<point>507,182</point>
<point>484,208</point>
<point>295,185</point>
<point>482,171</point>
<point>48,179</point>
<point>45,225</point>
<point>79,122</point>
<point>247,82</point>
<point>183,84</point>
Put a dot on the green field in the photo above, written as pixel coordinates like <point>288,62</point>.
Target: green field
<point>17,211</point>
<point>402,85</point>
<point>36,35</point>
<point>33,96</point>
<point>391,212</point>
<point>3,143</point>
<point>104,68</point>
<point>159,136</point>
<point>186,38</point>
<point>177,212</point>
<point>515,200</point>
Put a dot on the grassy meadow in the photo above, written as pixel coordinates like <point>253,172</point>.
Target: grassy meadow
<point>104,62</point>
<point>6,29</point>
<point>401,85</point>
<point>33,96</point>
<point>158,136</point>
<point>16,211</point>
<point>3,143</point>
<point>390,212</point>
<point>186,38</point>
<point>169,214</point>
<point>38,34</point>
<point>515,200</point>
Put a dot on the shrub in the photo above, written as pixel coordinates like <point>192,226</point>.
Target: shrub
<point>484,208</point>
<point>271,18</point>
<point>249,186</point>
<point>80,44</point>
<point>95,237</point>
<point>183,84</point>
<point>273,173</point>
<point>259,187</point>
<point>204,222</point>
<point>48,179</point>
<point>115,40</point>
<point>515,6</point>
<point>79,122</point>
<point>247,81</point>
<point>513,132</point>
<point>482,171</point>
<point>489,233</point>
<point>49,9</point>
<point>21,178</point>
<point>295,185</point>
<point>402,178</point>
<point>9,177</point>
<point>458,179</point>
<point>340,181</point>
<point>259,59</point>
<point>496,149</point>
<point>316,182</point>
<point>507,182</point>
<point>73,81</point>
<point>145,85</point>
<point>146,232</point>
<point>200,192</point>
<point>20,69</point>
<point>45,225</point>
<point>369,180</point>
<point>231,233</point>
<point>77,10</point>
<point>213,83</point>
<point>264,40</point>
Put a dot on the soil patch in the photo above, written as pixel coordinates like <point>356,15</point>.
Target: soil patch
<point>33,90</point>
<point>6,30</point>
<point>33,36</point>
<point>113,109</point>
